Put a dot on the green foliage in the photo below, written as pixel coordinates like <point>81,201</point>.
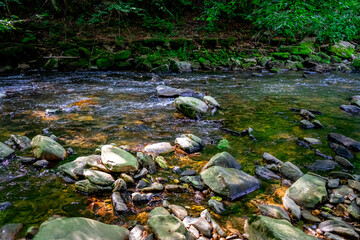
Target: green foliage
<point>223,144</point>
<point>326,20</point>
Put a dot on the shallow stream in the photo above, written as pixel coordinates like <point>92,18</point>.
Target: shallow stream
<point>123,108</point>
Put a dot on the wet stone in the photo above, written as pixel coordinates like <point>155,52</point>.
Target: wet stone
<point>341,175</point>
<point>210,101</point>
<point>322,165</point>
<point>189,143</point>
<point>342,151</point>
<point>354,210</point>
<point>158,211</point>
<point>344,162</point>
<point>223,159</point>
<point>189,172</point>
<point>313,141</point>
<point>142,184</point>
<point>309,217</point>
<point>265,174</point>
<point>4,206</point>
<point>305,124</point>
<point>179,211</point>
<point>195,181</point>
<point>98,177</point>
<point>10,231</point>
<point>5,151</point>
<point>336,198</point>
<point>271,159</point>
<point>147,162</point>
<point>118,160</point>
<point>354,184</point>
<point>41,163</point>
<point>142,173</point>
<point>128,179</point>
<point>273,211</point>
<point>333,183</point>
<point>290,171</point>
<point>165,91</point>
<point>118,202</point>
<point>119,185</point>
<point>88,187</point>
<point>46,148</point>
<point>141,197</point>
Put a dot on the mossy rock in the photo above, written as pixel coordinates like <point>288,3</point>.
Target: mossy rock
<point>180,43</point>
<point>66,45</point>
<point>122,55</point>
<point>123,65</point>
<point>281,55</point>
<point>161,69</point>
<point>210,43</point>
<point>342,49</point>
<point>228,42</point>
<point>299,66</point>
<point>145,65</point>
<point>296,58</point>
<point>51,64</point>
<point>84,52</point>
<point>275,70</point>
<point>304,49</point>
<point>248,65</point>
<point>120,42</point>
<point>104,63</point>
<point>356,64</point>
<point>72,52</point>
<point>206,64</point>
<point>326,58</point>
<point>152,43</point>
<point>336,59</point>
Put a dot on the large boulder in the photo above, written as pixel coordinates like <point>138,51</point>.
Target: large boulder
<point>342,49</point>
<point>307,191</point>
<point>5,151</point>
<point>223,159</point>
<point>266,228</point>
<point>46,148</point>
<point>191,107</point>
<point>80,229</point>
<point>167,227</point>
<point>229,182</point>
<point>118,160</point>
<point>345,141</point>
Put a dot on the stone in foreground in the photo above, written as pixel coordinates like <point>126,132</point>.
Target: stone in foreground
<point>307,191</point>
<point>168,227</point>
<point>5,151</point>
<point>266,228</point>
<point>80,229</point>
<point>191,107</point>
<point>229,182</point>
<point>118,160</point>
<point>159,148</point>
<point>46,148</point>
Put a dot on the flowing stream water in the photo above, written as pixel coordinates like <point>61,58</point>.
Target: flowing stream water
<point>123,108</point>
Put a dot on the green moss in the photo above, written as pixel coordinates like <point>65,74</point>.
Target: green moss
<point>228,42</point>
<point>336,59</point>
<point>248,65</point>
<point>223,144</point>
<point>281,55</point>
<point>304,49</point>
<point>300,66</point>
<point>275,70</point>
<point>122,55</point>
<point>84,52</point>
<point>341,51</point>
<point>66,45</point>
<point>356,64</point>
<point>104,63</point>
<point>180,43</point>
<point>123,65</point>
<point>72,52</point>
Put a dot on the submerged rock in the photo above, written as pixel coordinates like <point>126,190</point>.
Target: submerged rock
<point>191,107</point>
<point>118,202</point>
<point>46,148</point>
<point>223,159</point>
<point>266,228</point>
<point>307,191</point>
<point>195,181</point>
<point>80,229</point>
<point>88,187</point>
<point>229,182</point>
<point>10,231</point>
<point>118,160</point>
<point>211,101</point>
<point>165,91</point>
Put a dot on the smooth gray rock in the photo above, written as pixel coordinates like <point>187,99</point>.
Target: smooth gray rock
<point>119,185</point>
<point>223,159</point>
<point>307,191</point>
<point>203,226</point>
<point>336,198</point>
<point>350,108</point>
<point>323,165</point>
<point>273,212</point>
<point>290,171</point>
<point>354,210</point>
<point>168,227</point>
<point>188,172</point>
<point>41,163</point>
<point>229,182</point>
<point>195,181</point>
<point>217,206</point>
<point>10,231</point>
<point>75,168</point>
<point>307,115</point>
<point>158,211</point>
<point>339,227</point>
<point>179,211</point>
<point>165,91</point>
<point>341,150</point>
<point>265,174</point>
<point>312,141</point>
<point>343,190</point>
<point>271,159</point>
<point>309,217</point>
<point>118,202</point>
<point>291,206</point>
<point>94,161</point>
<point>189,143</point>
<point>305,124</point>
<point>344,162</point>
<point>141,197</point>
<point>333,183</point>
<point>80,229</point>
<point>345,141</point>
<point>154,187</point>
<point>26,160</point>
<point>211,101</point>
<point>354,184</point>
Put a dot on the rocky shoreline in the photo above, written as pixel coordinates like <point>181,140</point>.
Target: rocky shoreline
<point>322,206</point>
<point>180,55</point>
